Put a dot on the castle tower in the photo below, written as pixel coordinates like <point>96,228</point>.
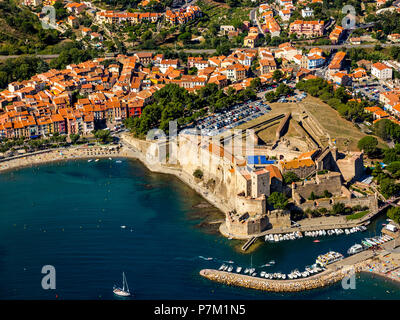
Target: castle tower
<point>260,183</point>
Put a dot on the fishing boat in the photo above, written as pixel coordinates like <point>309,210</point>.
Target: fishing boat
<point>329,258</point>
<point>124,292</point>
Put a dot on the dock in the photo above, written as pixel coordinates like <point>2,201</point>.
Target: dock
<point>334,272</point>
<point>323,279</point>
<point>249,243</point>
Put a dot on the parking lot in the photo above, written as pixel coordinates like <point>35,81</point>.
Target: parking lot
<point>217,123</point>
<point>371,91</point>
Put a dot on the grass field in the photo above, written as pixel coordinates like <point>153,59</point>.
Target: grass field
<point>344,132</point>
<point>357,215</point>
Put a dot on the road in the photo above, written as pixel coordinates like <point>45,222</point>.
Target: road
<point>210,51</point>
<point>43,56</point>
<point>254,19</point>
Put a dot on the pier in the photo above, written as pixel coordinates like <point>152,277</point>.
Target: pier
<point>248,243</point>
<point>334,272</point>
<point>325,278</point>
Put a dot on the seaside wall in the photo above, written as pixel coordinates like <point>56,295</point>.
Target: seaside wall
<point>279,218</point>
<point>247,204</point>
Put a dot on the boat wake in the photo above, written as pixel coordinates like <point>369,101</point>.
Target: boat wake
<point>230,261</point>
<point>204,258</point>
<point>265,265</point>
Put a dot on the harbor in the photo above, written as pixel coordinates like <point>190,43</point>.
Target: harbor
<point>374,255</point>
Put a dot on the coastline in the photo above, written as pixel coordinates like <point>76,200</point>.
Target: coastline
<point>323,279</point>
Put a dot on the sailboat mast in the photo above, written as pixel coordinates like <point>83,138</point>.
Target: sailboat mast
<point>123,281</point>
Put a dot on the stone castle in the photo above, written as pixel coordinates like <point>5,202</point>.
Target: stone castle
<point>242,188</point>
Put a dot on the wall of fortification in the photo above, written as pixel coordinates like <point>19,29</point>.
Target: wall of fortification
<point>279,218</point>
<point>330,182</point>
<point>369,201</point>
<point>351,168</point>
<point>252,206</point>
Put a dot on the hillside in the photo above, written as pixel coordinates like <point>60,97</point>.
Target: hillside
<point>21,31</point>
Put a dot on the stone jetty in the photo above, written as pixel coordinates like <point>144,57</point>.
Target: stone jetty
<point>325,278</point>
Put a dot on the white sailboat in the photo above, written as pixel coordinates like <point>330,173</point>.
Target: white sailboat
<point>124,292</point>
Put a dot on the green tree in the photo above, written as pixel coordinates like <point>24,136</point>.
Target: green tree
<point>278,200</point>
<point>290,177</point>
<point>198,174</point>
<point>270,96</point>
<point>338,208</point>
<point>394,214</point>
<point>104,136</point>
<point>74,138</point>
<point>368,144</point>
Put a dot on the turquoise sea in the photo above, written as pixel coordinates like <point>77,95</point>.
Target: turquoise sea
<point>69,215</point>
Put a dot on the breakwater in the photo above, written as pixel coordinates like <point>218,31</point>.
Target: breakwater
<point>323,279</point>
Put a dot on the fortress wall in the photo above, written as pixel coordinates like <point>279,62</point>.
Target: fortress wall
<point>301,172</point>
<point>352,167</point>
<point>279,218</point>
<point>329,182</point>
<point>369,201</point>
<point>283,126</point>
<point>250,205</point>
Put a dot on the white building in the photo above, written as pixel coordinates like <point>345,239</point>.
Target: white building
<point>307,12</point>
<point>381,71</point>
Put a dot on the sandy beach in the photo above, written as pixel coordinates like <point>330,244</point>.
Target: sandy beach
<point>45,156</point>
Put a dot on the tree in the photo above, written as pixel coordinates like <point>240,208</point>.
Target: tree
<point>270,96</point>
<point>327,194</point>
<point>290,177</point>
<point>389,187</point>
<point>338,208</point>
<point>74,138</point>
<point>394,214</point>
<point>198,174</point>
<point>277,75</point>
<point>255,83</point>
<point>104,136</point>
<point>278,200</point>
<point>368,144</point>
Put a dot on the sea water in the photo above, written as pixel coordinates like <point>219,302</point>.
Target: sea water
<point>69,215</point>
